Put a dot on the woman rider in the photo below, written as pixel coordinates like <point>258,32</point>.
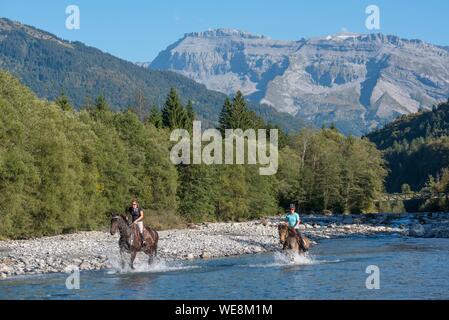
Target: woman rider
<point>293,220</point>
<point>137,218</point>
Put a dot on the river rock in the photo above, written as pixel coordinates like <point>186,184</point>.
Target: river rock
<point>5,269</point>
<point>205,255</point>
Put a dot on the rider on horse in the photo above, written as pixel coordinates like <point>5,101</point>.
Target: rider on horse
<point>137,218</point>
<point>293,220</point>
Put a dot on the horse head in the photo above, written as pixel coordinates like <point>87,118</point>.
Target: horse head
<point>283,232</point>
<point>114,224</point>
<point>117,222</point>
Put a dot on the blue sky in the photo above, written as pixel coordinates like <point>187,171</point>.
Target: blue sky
<point>138,30</point>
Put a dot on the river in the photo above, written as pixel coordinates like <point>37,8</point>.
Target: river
<point>410,268</point>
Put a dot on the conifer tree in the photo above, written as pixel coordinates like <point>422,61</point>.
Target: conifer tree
<point>173,114</point>
<point>155,117</point>
<point>63,102</point>
<point>101,104</point>
<point>225,115</point>
<point>240,116</point>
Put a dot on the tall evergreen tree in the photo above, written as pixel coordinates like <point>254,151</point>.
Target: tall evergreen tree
<point>155,117</point>
<point>240,115</point>
<point>63,102</point>
<point>173,114</point>
<point>101,104</point>
<point>225,115</point>
<point>190,116</point>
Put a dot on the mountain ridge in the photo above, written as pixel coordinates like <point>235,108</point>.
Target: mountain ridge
<point>50,65</point>
<point>357,81</point>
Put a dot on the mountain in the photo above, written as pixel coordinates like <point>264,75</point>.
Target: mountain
<point>50,65</point>
<point>359,82</point>
<point>415,147</point>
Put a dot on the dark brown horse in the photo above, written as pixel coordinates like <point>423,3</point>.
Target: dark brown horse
<point>291,241</point>
<point>130,239</point>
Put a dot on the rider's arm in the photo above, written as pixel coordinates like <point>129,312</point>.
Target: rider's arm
<point>298,222</point>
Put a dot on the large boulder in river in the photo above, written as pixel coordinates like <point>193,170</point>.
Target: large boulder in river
<point>417,230</point>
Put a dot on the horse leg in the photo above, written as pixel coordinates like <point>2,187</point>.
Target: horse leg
<point>285,246</point>
<point>150,258</point>
<point>133,257</point>
<point>122,259</point>
<point>152,253</point>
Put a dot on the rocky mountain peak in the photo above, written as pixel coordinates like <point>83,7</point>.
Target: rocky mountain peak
<point>224,32</point>
<point>357,81</point>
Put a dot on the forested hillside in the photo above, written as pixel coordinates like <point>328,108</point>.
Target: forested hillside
<point>415,146</point>
<point>63,170</point>
<point>49,66</point>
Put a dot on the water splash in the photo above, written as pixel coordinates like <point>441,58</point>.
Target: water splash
<point>281,259</point>
<point>159,265</point>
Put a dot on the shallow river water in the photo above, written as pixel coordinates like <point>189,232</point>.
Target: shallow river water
<point>335,269</point>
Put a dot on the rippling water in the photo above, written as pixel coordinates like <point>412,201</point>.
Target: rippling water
<point>409,269</point>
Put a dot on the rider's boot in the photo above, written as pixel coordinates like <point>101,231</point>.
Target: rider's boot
<point>143,240</point>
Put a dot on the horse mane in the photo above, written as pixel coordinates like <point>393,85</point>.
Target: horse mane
<point>121,217</point>
<point>284,227</point>
<point>124,217</point>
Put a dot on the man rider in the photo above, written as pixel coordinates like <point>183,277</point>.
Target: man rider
<point>137,218</point>
<point>293,220</point>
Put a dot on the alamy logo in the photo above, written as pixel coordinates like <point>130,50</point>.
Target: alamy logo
<point>373,20</point>
<point>73,20</point>
<point>212,153</point>
<point>73,280</point>
<point>373,280</point>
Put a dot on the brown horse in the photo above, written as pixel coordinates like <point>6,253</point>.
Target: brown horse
<point>291,241</point>
<point>130,239</point>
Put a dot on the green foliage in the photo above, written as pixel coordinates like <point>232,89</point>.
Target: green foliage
<point>396,206</point>
<point>237,115</point>
<point>405,188</point>
<point>63,170</point>
<point>174,116</point>
<point>441,185</point>
<point>190,114</point>
<point>155,117</point>
<point>101,104</point>
<point>198,192</point>
<point>323,170</point>
<point>63,102</point>
<point>415,146</point>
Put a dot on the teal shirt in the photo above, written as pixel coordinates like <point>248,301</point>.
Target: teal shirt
<point>292,219</point>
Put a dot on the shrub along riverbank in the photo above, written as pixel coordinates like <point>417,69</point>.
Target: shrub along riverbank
<point>63,170</point>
